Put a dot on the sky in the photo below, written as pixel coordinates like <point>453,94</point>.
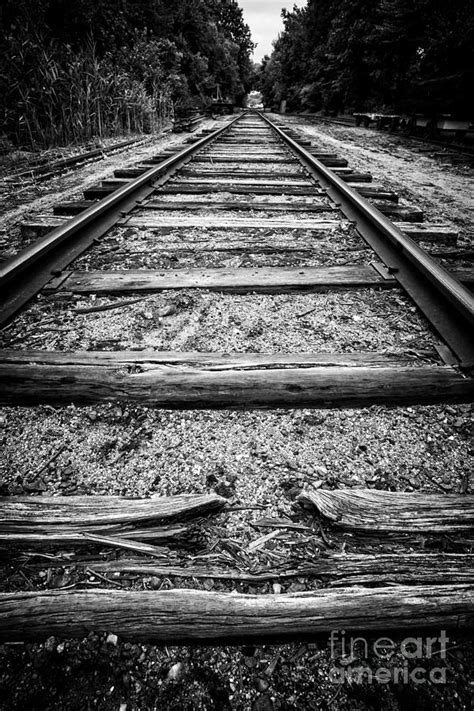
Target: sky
<point>263,18</point>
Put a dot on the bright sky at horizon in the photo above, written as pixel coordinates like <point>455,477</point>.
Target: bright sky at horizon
<point>264,19</point>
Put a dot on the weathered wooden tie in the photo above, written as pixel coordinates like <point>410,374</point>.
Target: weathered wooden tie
<point>424,232</point>
<point>175,616</point>
<point>237,281</point>
<point>200,387</point>
<point>241,205</point>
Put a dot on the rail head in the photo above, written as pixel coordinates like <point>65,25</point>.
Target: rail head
<point>16,265</point>
<point>459,298</point>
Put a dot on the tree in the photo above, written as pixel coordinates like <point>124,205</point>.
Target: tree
<point>98,57</point>
<point>396,55</point>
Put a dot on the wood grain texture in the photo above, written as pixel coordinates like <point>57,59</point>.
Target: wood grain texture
<point>241,205</point>
<point>30,512</point>
<point>266,228</point>
<point>229,158</point>
<point>171,387</point>
<point>337,570</point>
<point>233,188</point>
<point>65,535</point>
<point>194,171</point>
<point>237,280</point>
<point>212,361</point>
<point>145,218</point>
<point>252,179</point>
<point>264,280</point>
<point>179,616</point>
<point>375,511</point>
<point>424,232</point>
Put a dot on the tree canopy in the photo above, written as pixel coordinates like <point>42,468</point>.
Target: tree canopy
<point>60,52</point>
<point>393,55</point>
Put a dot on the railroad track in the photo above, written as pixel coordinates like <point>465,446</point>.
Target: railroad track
<point>249,219</point>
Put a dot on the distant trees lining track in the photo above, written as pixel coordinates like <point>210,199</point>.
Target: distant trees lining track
<point>397,55</point>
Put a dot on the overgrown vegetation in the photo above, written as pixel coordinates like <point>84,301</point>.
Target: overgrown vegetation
<point>393,55</point>
<point>74,69</point>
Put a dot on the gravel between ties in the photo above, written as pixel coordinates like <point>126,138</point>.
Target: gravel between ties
<point>252,457</point>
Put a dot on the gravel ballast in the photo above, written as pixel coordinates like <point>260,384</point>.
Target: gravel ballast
<point>258,460</point>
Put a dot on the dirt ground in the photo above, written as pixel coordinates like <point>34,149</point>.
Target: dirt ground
<point>24,199</point>
<point>257,458</point>
<point>428,179</point>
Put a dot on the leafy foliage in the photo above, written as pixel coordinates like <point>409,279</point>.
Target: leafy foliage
<point>397,55</point>
<point>73,69</point>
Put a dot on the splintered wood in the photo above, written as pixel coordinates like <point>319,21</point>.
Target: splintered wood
<point>373,510</point>
<point>110,520</point>
<point>335,569</point>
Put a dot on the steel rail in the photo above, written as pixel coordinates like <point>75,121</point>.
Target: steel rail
<point>448,305</point>
<point>19,278</point>
<point>20,261</point>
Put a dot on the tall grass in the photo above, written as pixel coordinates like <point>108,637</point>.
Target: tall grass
<point>60,97</point>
